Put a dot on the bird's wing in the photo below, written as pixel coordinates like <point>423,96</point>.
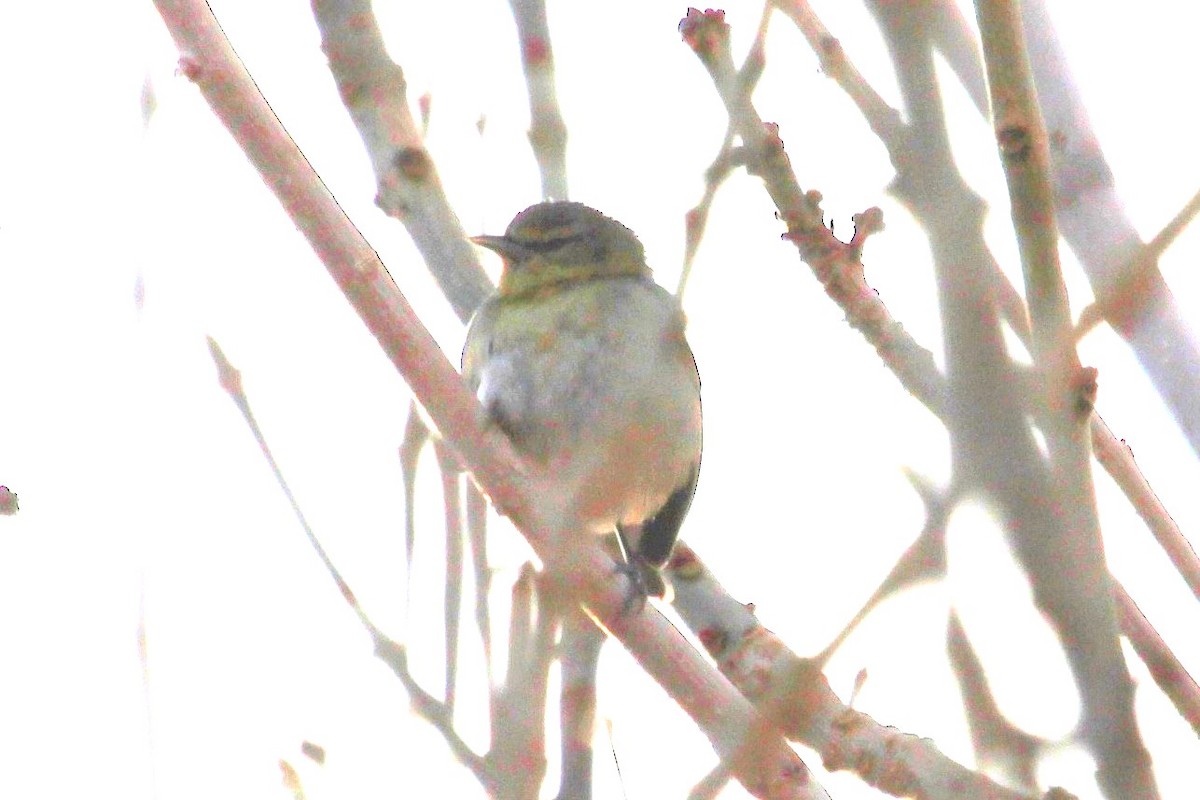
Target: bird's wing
<point>479,341</point>
<point>659,532</point>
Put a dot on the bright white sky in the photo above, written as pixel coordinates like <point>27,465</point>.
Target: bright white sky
<point>141,490</point>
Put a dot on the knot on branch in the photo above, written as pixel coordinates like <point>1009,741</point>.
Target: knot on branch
<point>535,52</point>
<point>413,164</point>
<point>1084,387</point>
<point>882,768</point>
<point>549,135</point>
<point>772,155</point>
<point>190,68</point>
<point>1015,143</point>
<point>715,640</point>
<point>829,51</point>
<point>806,229</point>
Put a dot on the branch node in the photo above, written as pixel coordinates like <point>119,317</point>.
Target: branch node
<point>706,32</point>
<point>866,224</point>
<point>414,164</point>
<point>1016,144</point>
<point>1084,386</point>
<point>190,68</point>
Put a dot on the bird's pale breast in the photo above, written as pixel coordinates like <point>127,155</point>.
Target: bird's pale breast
<point>596,384</point>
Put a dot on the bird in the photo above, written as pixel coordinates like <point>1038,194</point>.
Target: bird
<point>581,359</point>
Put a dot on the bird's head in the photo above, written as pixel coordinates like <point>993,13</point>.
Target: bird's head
<point>557,243</point>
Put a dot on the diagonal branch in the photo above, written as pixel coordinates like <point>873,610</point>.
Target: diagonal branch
<point>1086,618</point>
<point>583,571</point>
<point>704,32</point>
<point>728,157</point>
<point>838,266</point>
<point>373,88</point>
<point>1138,277</point>
<point>1094,222</point>
<point>1112,454</point>
<point>793,692</point>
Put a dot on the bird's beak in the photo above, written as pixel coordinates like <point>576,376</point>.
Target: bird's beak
<point>507,248</point>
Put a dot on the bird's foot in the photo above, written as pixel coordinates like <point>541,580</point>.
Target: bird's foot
<point>644,582</point>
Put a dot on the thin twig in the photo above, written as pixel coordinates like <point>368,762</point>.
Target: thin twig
<point>1117,458</point>
<point>583,569</point>
<point>999,745</point>
<point>1086,616</point>
<point>923,560</point>
<point>1093,220</point>
<point>836,264</point>
<point>477,533</point>
<point>1112,454</point>
<point>437,713</point>
<point>884,120</point>
<point>518,707</point>
<point>455,566</point>
<point>374,91</point>
<point>1142,269</point>
<point>547,131</point>
<point>231,381</point>
<point>416,435</point>
<point>434,712</point>
<point>728,157</point>
<point>1158,658</point>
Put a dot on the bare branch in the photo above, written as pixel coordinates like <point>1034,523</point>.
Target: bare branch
<point>416,436</point>
<point>884,120</point>
<point>579,653</point>
<point>518,756</point>
<point>792,692</point>
<point>374,91</point>
<point>1117,458</point>
<point>837,265</point>
<point>1094,222</point>
<point>1132,286</point>
<point>695,221</point>
<point>547,131</point>
<point>1112,454</point>
<point>437,713</point>
<point>1086,620</point>
<point>1175,683</point>
<point>998,743</point>
<point>728,157</point>
<point>477,531</point>
<point>923,560</point>
<point>580,570</point>
<point>434,712</point>
<point>455,566</point>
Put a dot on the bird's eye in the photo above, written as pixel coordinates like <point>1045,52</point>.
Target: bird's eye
<point>546,244</point>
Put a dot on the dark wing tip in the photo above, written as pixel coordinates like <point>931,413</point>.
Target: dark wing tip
<point>659,532</point>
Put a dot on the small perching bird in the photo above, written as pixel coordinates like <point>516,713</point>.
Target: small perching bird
<point>581,359</point>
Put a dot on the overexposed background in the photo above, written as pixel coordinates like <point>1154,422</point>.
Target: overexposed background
<point>124,243</point>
